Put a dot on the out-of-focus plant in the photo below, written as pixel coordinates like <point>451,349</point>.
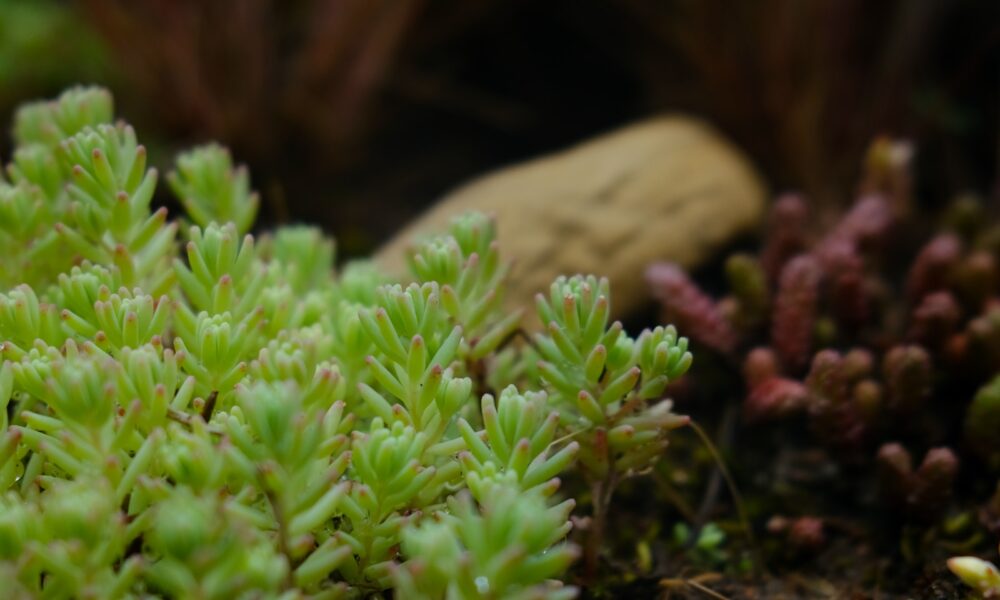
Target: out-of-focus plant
<point>222,416</point>
<point>879,358</point>
<point>706,546</point>
<point>980,575</point>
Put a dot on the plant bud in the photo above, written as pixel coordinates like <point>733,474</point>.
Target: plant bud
<point>907,374</point>
<point>931,268</point>
<point>826,381</point>
<point>935,319</point>
<point>977,573</point>
<point>794,313</point>
<point>806,534</point>
<point>748,282</point>
<point>833,416</point>
<point>844,271</point>
<point>690,309</point>
<point>887,172</point>
<point>866,224</point>
<point>760,365</point>
<point>858,364</point>
<point>867,396</point>
<point>933,482</point>
<point>895,471</point>
<point>774,398</point>
<point>976,278</point>
<point>786,234</point>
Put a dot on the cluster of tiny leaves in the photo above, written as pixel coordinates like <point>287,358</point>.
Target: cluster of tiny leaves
<point>192,412</point>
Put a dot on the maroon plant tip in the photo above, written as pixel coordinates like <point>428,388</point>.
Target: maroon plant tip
<point>838,255</point>
<point>923,493</point>
<point>931,267</point>
<point>866,224</point>
<point>774,398</point>
<point>907,374</point>
<point>934,482</point>
<point>786,234</point>
<point>844,270</point>
<point>794,314</point>
<point>935,319</point>
<point>849,298</point>
<point>803,534</point>
<point>690,309</point>
<point>834,416</point>
<point>760,364</point>
<point>806,534</point>
<point>826,377</point>
<point>895,469</point>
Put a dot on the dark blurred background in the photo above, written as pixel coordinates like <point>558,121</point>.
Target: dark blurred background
<point>356,114</point>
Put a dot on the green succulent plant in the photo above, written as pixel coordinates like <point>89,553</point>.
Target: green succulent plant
<point>219,416</point>
<point>981,575</point>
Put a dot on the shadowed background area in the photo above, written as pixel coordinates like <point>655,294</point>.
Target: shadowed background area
<point>357,114</point>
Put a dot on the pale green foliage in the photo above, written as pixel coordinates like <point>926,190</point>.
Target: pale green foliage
<point>466,265</point>
<point>49,122</point>
<point>602,378</point>
<point>489,552</point>
<point>519,431</point>
<point>211,189</point>
<point>219,417</point>
<point>306,256</point>
<point>25,245</point>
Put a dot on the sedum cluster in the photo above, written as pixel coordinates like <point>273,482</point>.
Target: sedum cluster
<point>889,358</point>
<point>193,412</point>
<point>877,357</point>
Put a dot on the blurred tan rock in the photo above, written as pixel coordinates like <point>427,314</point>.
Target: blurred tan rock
<point>670,188</point>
